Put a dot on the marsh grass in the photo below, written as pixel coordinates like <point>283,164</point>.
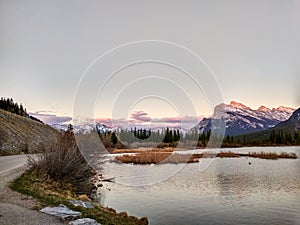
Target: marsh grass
<point>273,155</point>
<point>142,150</point>
<point>158,157</point>
<point>144,158</point>
<point>168,157</point>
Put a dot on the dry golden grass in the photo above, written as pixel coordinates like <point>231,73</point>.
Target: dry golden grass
<point>143,150</point>
<point>228,154</point>
<point>168,157</point>
<point>273,155</point>
<point>143,158</point>
<point>158,157</point>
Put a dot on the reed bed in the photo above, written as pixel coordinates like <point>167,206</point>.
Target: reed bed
<point>142,150</point>
<point>168,157</point>
<point>273,155</point>
<point>228,154</point>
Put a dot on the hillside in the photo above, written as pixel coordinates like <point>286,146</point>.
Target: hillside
<point>289,126</point>
<point>292,124</point>
<point>22,134</point>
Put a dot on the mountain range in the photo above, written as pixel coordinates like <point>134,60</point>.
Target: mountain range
<point>288,126</point>
<point>19,133</point>
<point>84,128</point>
<point>241,119</point>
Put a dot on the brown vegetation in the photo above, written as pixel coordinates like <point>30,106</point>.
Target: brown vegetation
<point>63,162</point>
<point>228,154</point>
<point>273,155</point>
<point>159,157</point>
<point>168,157</point>
<point>142,150</point>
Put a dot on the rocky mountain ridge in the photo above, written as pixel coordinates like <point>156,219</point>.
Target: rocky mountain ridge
<point>241,119</point>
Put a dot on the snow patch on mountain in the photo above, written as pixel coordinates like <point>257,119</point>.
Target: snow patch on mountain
<point>241,119</point>
<point>84,128</point>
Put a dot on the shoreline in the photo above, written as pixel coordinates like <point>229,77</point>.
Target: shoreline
<point>45,193</point>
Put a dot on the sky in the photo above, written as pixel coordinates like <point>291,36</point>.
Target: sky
<point>68,58</point>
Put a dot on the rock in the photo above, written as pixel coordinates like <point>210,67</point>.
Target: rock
<point>84,221</point>
<point>62,212</point>
<point>83,204</point>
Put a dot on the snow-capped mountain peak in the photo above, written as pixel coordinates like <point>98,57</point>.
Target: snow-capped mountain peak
<point>84,128</point>
<point>264,108</point>
<point>238,105</point>
<point>241,119</point>
<point>285,109</point>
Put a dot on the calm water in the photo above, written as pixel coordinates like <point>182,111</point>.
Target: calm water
<point>229,191</point>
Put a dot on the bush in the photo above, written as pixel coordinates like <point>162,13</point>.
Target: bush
<point>63,162</point>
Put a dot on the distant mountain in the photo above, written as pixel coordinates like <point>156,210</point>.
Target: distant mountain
<point>289,126</point>
<point>84,128</point>
<point>241,119</point>
<point>22,134</point>
<point>292,124</point>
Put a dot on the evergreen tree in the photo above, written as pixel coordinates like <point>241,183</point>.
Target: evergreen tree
<point>114,138</point>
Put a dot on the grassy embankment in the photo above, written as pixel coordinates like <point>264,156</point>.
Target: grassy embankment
<point>52,193</point>
<point>61,174</point>
<point>168,157</point>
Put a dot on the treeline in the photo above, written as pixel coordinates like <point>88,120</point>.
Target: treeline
<point>168,137</point>
<point>135,138</point>
<point>277,137</point>
<point>285,138</point>
<point>9,105</point>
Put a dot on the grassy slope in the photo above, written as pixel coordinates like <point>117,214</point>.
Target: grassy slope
<point>21,134</point>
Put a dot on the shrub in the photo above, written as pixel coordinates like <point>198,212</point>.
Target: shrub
<point>63,162</point>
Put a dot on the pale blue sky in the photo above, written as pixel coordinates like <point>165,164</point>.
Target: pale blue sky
<point>253,47</point>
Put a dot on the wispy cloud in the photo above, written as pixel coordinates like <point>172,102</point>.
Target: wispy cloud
<point>50,118</point>
<point>140,116</point>
<point>143,119</point>
<point>185,119</point>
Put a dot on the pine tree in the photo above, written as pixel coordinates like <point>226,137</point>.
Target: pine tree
<point>114,138</point>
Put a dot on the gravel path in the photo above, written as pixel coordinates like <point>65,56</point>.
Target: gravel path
<point>15,208</point>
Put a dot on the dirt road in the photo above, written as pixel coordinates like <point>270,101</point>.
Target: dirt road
<point>16,209</point>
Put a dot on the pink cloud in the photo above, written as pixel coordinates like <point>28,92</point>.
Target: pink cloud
<point>142,119</point>
<point>140,116</point>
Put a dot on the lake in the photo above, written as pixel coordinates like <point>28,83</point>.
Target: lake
<point>229,191</point>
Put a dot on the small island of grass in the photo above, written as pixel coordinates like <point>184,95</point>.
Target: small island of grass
<point>148,157</point>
